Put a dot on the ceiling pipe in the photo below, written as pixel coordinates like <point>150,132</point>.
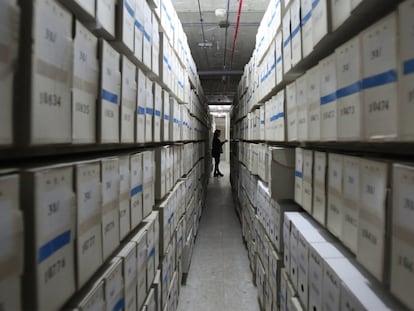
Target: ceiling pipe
<point>225,35</point>
<point>236,32</point>
<point>220,72</point>
<point>202,30</point>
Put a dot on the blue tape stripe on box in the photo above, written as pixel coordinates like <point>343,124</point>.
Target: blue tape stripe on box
<point>279,59</point>
<point>315,4</point>
<point>328,98</point>
<point>111,97</point>
<point>380,79</point>
<point>141,110</point>
<point>281,115</point>
<point>306,18</point>
<point>158,113</point>
<point>165,59</point>
<point>139,26</point>
<point>262,122</point>
<point>286,42</point>
<point>409,67</point>
<point>147,36</point>
<point>53,246</point>
<point>129,9</point>
<point>149,111</point>
<point>349,90</point>
<point>120,305</point>
<point>298,174</point>
<point>151,254</point>
<point>136,190</point>
<point>166,117</point>
<point>295,31</point>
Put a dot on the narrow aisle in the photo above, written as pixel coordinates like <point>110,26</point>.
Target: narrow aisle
<point>220,278</point>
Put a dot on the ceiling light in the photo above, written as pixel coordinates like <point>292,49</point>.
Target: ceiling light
<point>205,45</point>
<point>220,13</point>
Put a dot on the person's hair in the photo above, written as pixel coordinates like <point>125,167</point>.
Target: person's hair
<point>216,133</point>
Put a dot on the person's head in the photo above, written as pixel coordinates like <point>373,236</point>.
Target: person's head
<point>217,133</point>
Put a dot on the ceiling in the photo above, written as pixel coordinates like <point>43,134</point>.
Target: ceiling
<point>218,73</point>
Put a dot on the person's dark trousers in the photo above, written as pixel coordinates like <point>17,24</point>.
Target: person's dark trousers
<point>216,167</point>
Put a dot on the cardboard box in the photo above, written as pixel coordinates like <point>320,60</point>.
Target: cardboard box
<point>131,298</point>
<point>155,66</point>
<point>88,219</point>
<point>136,190</point>
<point>128,256</point>
<point>157,112</point>
<point>349,90</point>
<point>85,85</point>
<point>379,46</point>
<point>141,106</point>
<point>351,199</point>
<point>287,44</point>
<point>283,289</point>
<point>292,114</point>
<point>280,121</point>
<point>110,205</point>
<point>148,166</point>
<point>340,12</point>
<point>147,41</point>
<point>149,111</point>
<point>47,99</point>
<point>319,192</point>
<point>105,19</point>
<point>139,30</point>
<point>114,285</point>
<point>141,240</point>
<point>373,216</point>
<point>295,9</point>
<point>298,175</point>
<point>125,25</point>
<point>110,92</point>
<point>281,166</point>
<point>149,304</point>
<point>148,198</point>
<point>328,100</point>
<point>335,198</point>
<point>91,298</point>
<point>320,22</point>
<point>313,103</point>
<point>84,9</point>
<point>406,77</point>
<point>306,24</point>
<point>165,120</point>
<point>279,57</point>
<point>128,101</point>
<point>307,188</point>
<point>125,196</point>
<point>48,209</point>
<point>301,103</point>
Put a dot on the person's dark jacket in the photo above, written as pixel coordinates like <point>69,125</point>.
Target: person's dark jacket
<point>217,147</point>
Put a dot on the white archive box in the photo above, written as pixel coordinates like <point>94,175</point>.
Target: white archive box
<point>128,101</point>
<point>149,110</point>
<point>148,166</point>
<point>298,175</point>
<point>110,205</point>
<point>124,196</point>
<point>280,113</point>
<point>313,103</point>
<point>307,187</point>
<point>49,212</point>
<point>157,112</point>
<point>351,198</point>
<point>139,30</point>
<point>284,279</point>
<point>275,265</point>
<point>88,220</point>
<point>295,10</point>
<point>287,220</point>
<point>279,57</point>
<point>287,43</point>
<point>148,198</point>
<point>268,115</point>
<point>149,304</point>
<point>136,189</point>
<point>406,48</point>
<point>340,12</point>
<point>49,83</point>
<point>320,20</point>
<point>262,135</point>
<point>373,215</point>
<point>131,298</point>
<point>292,112</point>
<point>318,253</point>
<point>141,105</point>
<point>147,45</point>
<point>114,285</point>
<point>306,24</point>
<point>402,251</point>
<point>85,85</point>
<point>160,172</point>
<point>110,93</point>
<point>90,298</point>
<point>379,46</point>
<point>334,213</point>
<point>105,19</point>
<point>349,90</point>
<point>282,172</point>
<point>84,9</point>
<point>279,209</point>
<point>128,256</point>
<point>125,26</point>
<point>9,17</point>
<point>328,100</point>
<point>302,108</point>
<point>319,186</point>
<point>155,65</point>
<point>141,240</point>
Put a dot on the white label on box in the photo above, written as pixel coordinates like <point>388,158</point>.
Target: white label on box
<point>110,182</point>
<point>306,23</point>
<point>56,211</point>
<point>320,168</point>
<point>335,169</point>
<point>89,195</point>
<point>351,178</point>
<point>373,187</point>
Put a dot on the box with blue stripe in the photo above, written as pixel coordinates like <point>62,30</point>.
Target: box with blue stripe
<point>125,26</point>
<point>136,189</point>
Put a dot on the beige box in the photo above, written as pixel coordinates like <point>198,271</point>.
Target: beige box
<point>298,175</point>
<point>136,190</point>
<point>148,198</point>
<point>406,77</point>
<point>313,103</point>
<point>307,181</point>
<point>287,44</point>
<point>301,98</point>
<point>349,90</point>
<point>149,111</point>
<point>91,298</point>
<point>373,217</point>
<point>105,19</point>
<point>147,40</point>
<point>340,12</point>
<point>279,57</point>
<point>328,100</point>
<point>110,205</point>
<point>139,30</point>
<point>141,106</point>
<point>379,50</point>
<point>88,219</point>
<point>292,114</point>
<point>128,101</point>
<point>85,85</point>
<point>114,285</point>
<point>281,178</point>
<point>48,207</point>
<point>335,198</point>
<point>306,24</point>
<point>319,192</point>
<point>47,118</point>
<point>157,112</point>
<point>165,120</point>
<point>110,92</point>
<point>10,293</point>
<point>320,24</point>
<point>9,17</point>
<point>124,196</point>
<point>295,10</point>
<point>351,199</point>
<point>125,25</point>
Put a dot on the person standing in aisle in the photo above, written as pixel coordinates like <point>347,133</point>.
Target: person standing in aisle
<point>217,149</point>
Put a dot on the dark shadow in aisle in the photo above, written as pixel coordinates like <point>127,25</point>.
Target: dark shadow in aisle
<point>220,277</point>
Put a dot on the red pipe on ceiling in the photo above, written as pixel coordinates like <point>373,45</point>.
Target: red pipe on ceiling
<point>236,32</point>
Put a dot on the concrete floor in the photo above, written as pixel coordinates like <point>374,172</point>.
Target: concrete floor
<point>220,278</point>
